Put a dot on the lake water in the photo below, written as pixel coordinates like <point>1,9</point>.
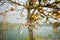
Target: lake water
<point>43,32</point>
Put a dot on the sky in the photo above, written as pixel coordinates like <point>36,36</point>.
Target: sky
<point>12,16</point>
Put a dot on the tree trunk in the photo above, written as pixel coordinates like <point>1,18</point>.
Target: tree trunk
<point>30,30</point>
<point>31,33</point>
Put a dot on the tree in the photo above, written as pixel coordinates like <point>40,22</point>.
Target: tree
<point>33,17</point>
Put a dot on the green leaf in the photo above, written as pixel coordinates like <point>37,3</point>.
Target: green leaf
<point>42,16</point>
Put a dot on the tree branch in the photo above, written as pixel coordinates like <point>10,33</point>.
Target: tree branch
<point>18,4</point>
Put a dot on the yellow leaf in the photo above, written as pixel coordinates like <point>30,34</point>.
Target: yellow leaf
<point>21,14</point>
<point>34,17</point>
<point>47,22</point>
<point>40,7</point>
<point>58,16</point>
<point>58,12</point>
<point>42,11</point>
